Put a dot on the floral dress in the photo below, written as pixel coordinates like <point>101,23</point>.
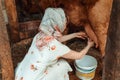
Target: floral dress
<point>42,60</point>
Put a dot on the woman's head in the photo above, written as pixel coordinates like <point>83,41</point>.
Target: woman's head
<point>54,19</point>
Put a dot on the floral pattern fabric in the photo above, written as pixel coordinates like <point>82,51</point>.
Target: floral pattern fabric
<point>43,63</point>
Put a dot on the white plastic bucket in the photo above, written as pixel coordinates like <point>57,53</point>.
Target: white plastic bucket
<point>85,67</point>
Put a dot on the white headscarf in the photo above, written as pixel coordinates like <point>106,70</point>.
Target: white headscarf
<point>53,20</point>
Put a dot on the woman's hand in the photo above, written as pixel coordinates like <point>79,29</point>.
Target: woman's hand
<point>81,35</point>
<point>90,43</point>
<point>57,34</point>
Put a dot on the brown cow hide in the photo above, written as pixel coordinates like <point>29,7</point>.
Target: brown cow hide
<point>99,16</point>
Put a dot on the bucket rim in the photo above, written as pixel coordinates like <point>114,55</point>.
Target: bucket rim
<point>86,67</point>
<point>83,70</point>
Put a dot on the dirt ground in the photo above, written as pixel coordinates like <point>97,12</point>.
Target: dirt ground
<point>20,49</point>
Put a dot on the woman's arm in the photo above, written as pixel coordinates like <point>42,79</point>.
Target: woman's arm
<point>77,55</point>
<point>66,37</point>
<point>71,36</point>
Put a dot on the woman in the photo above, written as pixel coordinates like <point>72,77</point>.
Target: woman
<point>42,60</point>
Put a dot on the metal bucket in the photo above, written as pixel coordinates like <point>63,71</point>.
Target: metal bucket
<point>85,67</point>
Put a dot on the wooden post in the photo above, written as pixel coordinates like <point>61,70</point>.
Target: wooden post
<point>112,58</point>
<point>5,52</point>
<point>12,19</point>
